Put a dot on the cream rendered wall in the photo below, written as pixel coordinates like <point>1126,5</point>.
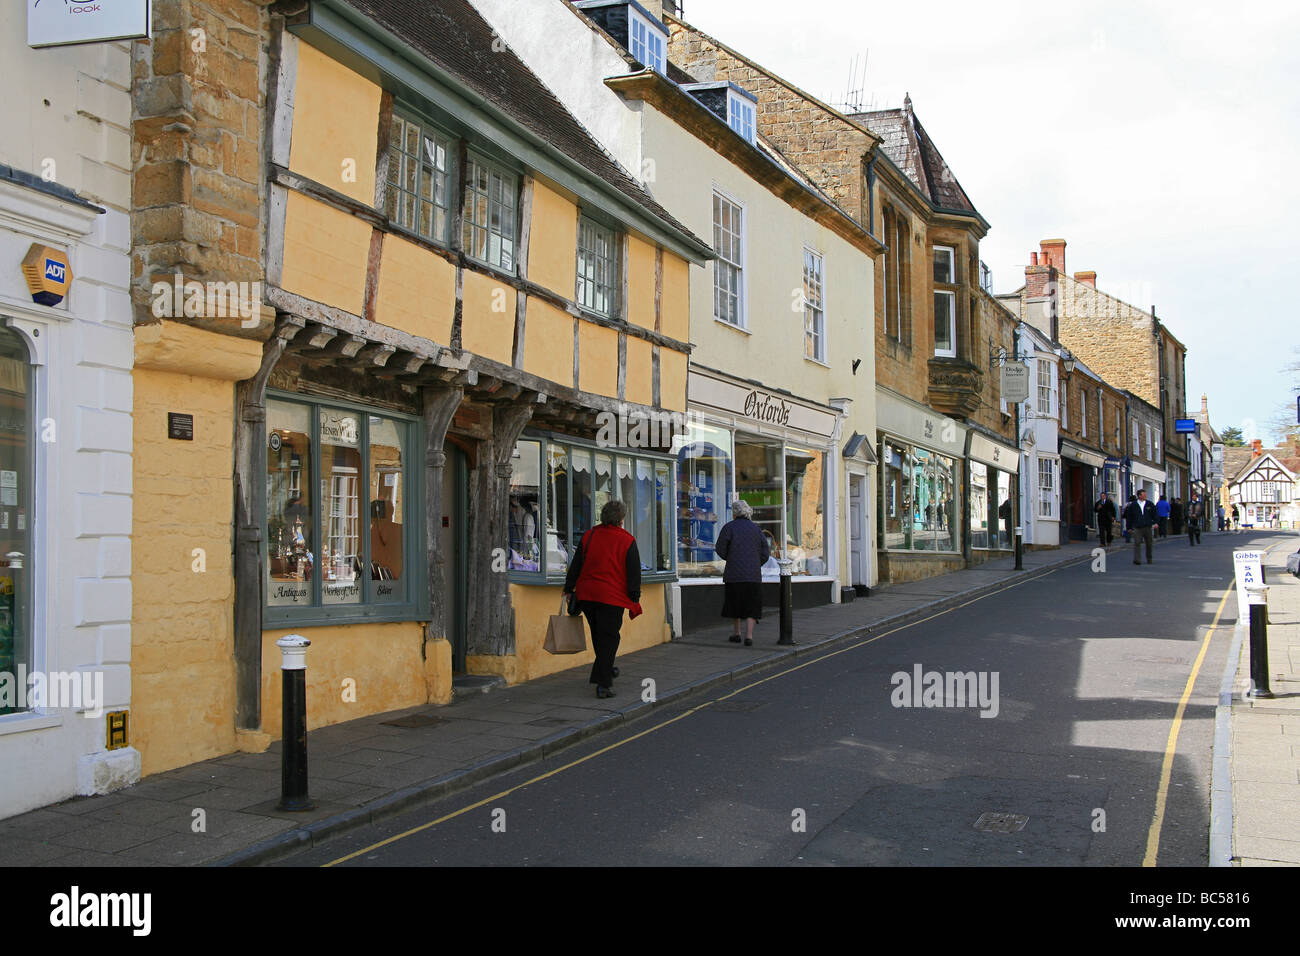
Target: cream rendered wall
<point>771,350</point>
<point>65,117</point>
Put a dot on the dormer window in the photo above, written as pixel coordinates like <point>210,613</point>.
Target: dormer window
<point>646,39</point>
<point>740,115</point>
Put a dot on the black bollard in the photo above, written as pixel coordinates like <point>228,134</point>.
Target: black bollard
<point>1257,595</point>
<point>787,604</point>
<point>293,724</point>
<point>1020,549</point>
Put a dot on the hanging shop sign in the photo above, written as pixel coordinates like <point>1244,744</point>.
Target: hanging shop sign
<point>1015,382</point>
<point>47,273</point>
<point>60,22</point>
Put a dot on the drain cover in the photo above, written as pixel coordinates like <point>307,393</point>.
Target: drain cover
<point>413,720</point>
<point>995,821</point>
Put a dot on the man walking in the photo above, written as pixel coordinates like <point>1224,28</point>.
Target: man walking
<point>1176,515</point>
<point>1195,512</point>
<point>1162,516</point>
<point>1140,515</point>
<point>1105,510</point>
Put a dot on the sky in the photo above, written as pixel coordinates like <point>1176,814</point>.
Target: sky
<point>1159,139</point>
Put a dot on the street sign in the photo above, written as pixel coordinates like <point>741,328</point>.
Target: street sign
<point>1249,568</point>
<point>1015,382</point>
<point>1185,426</point>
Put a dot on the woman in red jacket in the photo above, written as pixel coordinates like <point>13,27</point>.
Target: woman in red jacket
<point>605,573</point>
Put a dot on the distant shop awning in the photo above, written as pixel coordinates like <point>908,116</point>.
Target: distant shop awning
<point>995,454</point>
<point>1070,450</point>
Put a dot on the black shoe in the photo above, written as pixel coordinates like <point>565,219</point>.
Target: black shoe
<point>735,638</point>
<point>603,692</point>
<point>1136,561</point>
<point>614,671</point>
<point>749,642</point>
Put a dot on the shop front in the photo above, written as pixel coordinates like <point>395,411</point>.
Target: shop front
<point>776,452</point>
<point>993,508</point>
<point>921,501</point>
<point>1081,484</point>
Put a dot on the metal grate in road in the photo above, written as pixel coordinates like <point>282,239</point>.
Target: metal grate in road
<point>996,821</point>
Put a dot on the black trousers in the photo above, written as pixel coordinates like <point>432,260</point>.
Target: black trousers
<point>1141,535</point>
<point>605,621</point>
<point>1193,531</point>
<point>1105,531</point>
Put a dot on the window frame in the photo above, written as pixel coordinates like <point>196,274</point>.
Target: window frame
<point>427,130</point>
<point>414,565</point>
<point>476,157</point>
<point>546,577</point>
<point>615,262</point>
<point>814,266</point>
<point>658,62</point>
<point>1043,383</point>
<point>1047,493</point>
<point>742,115</point>
<point>742,299</point>
<point>1064,405</point>
<point>947,289</point>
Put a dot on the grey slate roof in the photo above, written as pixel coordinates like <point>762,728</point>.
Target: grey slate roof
<point>453,35</point>
<point>908,146</point>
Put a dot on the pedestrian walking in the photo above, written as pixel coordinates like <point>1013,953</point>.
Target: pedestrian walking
<point>1162,516</point>
<point>605,576</point>
<point>1105,511</point>
<point>1004,512</point>
<point>1177,514</point>
<point>1219,513</point>
<point>1140,515</point>
<point>1125,528</point>
<point>1236,518</point>
<point>742,545</point>
<point>1195,511</point>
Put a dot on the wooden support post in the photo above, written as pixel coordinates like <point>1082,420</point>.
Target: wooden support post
<point>440,404</point>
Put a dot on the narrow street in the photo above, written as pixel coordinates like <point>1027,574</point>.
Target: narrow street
<point>814,764</point>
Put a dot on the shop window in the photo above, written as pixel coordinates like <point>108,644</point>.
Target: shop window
<point>805,507</point>
<point>578,481</point>
<point>597,267</point>
<point>705,478</point>
<point>490,214</point>
<point>1006,510</point>
<point>759,482</point>
<point>338,503</point>
<point>896,495</point>
<point>419,179</point>
<point>983,531</point>
<point>17,473</point>
<point>919,495</point>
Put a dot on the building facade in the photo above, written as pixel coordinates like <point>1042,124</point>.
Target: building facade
<point>940,423</point>
<point>66,490</point>
<point>464,315</point>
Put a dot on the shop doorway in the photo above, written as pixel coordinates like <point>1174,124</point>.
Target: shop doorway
<point>859,550</point>
<point>455,506</point>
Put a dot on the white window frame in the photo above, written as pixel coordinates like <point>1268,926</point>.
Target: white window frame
<point>1135,447</point>
<point>742,319</point>
<point>1047,492</point>
<point>952,323</point>
<point>1149,445</point>
<point>814,305</point>
<point>1155,448</point>
<point>1043,386</point>
<point>1065,404</point>
<point>507,176</point>
<point>1083,412</point>
<point>742,115</point>
<point>589,288</point>
<point>646,40</point>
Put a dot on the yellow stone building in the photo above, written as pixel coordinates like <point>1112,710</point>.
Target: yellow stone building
<point>448,291</point>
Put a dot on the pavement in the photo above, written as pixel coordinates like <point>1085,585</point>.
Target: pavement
<point>1263,735</point>
<point>222,811</point>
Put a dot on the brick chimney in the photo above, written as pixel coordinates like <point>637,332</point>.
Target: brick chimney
<point>1053,253</point>
<point>1256,448</point>
<point>1087,278</point>
<point>1204,416</point>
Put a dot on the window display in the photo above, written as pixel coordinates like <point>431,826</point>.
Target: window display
<point>15,506</point>
<point>980,522</point>
<point>525,516</point>
<point>760,481</point>
<point>805,507</point>
<point>704,481</point>
<point>919,495</point>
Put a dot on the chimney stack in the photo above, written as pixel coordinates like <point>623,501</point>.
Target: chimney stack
<point>1033,258</point>
<point>1053,253</point>
<point>1087,278</point>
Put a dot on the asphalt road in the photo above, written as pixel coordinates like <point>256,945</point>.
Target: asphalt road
<point>815,764</point>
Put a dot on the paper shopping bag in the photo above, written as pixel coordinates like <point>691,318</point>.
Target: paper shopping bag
<point>565,634</point>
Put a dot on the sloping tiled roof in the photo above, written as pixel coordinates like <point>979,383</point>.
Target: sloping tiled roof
<point>908,146</point>
<point>453,35</point>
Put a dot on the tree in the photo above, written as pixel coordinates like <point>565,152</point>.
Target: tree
<point>1232,438</point>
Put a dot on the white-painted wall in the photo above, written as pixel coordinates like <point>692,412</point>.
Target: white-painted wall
<point>66,115</point>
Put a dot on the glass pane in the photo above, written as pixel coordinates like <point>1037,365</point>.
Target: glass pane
<point>626,492</point>
<point>924,520</point>
<point>704,483</point>
<point>643,525</point>
<point>557,513</point>
<point>663,516</point>
<point>387,510</point>
<point>340,497</point>
<point>290,522</point>
<point>896,492</point>
<point>525,488</point>
<point>15,505</point>
<point>942,264</point>
<point>1006,510</point>
<point>759,482</point>
<point>943,306</point>
<point>583,514</point>
<point>979,506</point>
<point>805,510</point>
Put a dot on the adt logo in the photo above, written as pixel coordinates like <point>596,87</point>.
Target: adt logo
<point>54,270</point>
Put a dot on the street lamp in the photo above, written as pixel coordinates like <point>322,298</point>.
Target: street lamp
<point>1067,361</point>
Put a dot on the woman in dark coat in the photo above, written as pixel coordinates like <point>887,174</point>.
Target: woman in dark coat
<point>605,574</point>
<point>742,545</point>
